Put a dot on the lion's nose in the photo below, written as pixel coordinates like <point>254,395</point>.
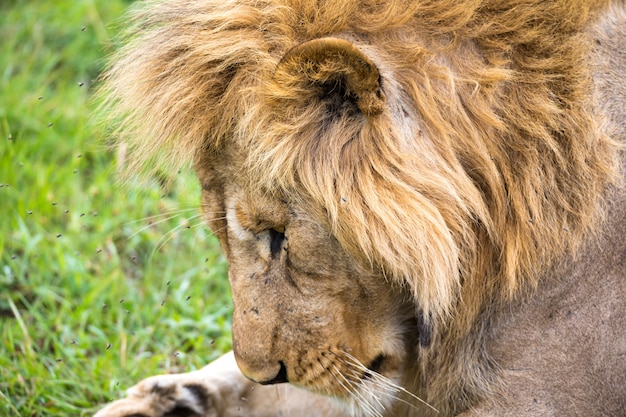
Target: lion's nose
<point>263,371</point>
<point>280,377</point>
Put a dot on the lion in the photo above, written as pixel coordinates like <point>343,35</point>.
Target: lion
<point>421,202</point>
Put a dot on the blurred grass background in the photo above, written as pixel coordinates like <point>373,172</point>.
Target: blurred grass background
<point>101,283</point>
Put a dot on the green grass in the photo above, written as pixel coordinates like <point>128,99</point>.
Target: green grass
<point>101,283</point>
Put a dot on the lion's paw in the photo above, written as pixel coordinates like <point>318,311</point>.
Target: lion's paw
<point>162,396</point>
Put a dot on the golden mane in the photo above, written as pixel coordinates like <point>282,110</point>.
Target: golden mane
<point>484,166</point>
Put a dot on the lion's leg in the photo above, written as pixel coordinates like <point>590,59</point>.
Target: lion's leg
<point>217,390</point>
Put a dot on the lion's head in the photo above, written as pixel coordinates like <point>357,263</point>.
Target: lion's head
<point>305,309</point>
<point>380,174</point>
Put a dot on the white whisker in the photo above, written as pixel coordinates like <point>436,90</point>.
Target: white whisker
<point>362,401</point>
<point>349,390</point>
<point>170,234</point>
<point>212,219</point>
<point>385,382</point>
<point>152,224</point>
<point>388,388</point>
<point>170,213</point>
<point>215,232</point>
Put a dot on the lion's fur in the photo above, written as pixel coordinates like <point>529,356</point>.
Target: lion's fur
<point>523,126</point>
<point>486,163</point>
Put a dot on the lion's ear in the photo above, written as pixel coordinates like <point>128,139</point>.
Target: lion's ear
<point>332,66</point>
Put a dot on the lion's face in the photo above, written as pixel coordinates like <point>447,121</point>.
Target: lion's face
<point>304,310</point>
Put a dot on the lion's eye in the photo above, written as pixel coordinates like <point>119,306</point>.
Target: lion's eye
<point>277,237</point>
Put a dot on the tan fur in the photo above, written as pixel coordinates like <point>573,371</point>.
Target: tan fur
<point>427,161</point>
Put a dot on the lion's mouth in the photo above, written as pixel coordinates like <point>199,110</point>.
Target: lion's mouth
<point>280,378</point>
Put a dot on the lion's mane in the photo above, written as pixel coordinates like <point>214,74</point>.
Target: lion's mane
<point>485,164</point>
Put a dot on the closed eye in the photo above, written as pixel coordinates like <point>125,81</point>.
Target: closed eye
<point>277,237</point>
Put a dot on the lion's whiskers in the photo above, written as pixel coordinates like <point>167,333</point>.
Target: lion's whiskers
<point>375,391</point>
<point>217,231</point>
<point>170,214</point>
<point>387,388</point>
<point>157,219</point>
<point>161,218</point>
<point>383,384</point>
<point>362,403</point>
<point>184,225</point>
<point>392,389</point>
